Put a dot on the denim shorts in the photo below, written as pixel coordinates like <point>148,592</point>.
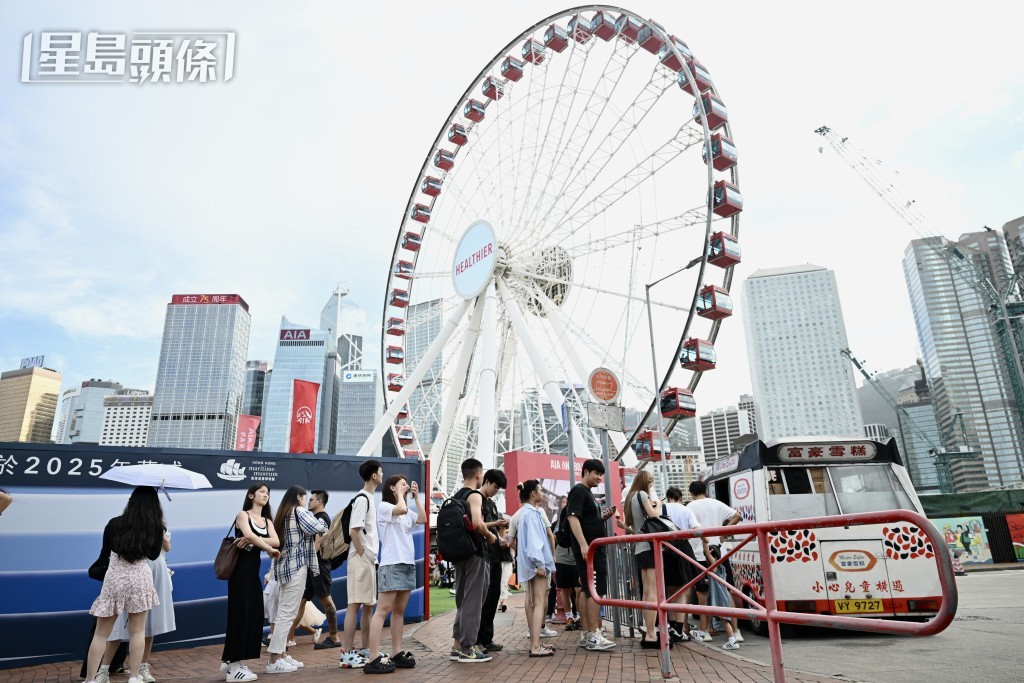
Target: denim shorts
<point>396,577</point>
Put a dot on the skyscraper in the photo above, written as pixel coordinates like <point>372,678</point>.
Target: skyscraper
<point>201,372</point>
<point>747,403</point>
<point>28,404</point>
<point>126,418</point>
<point>255,385</point>
<point>794,331</point>
<point>1013,232</point>
<point>360,403</point>
<point>82,412</point>
<point>962,357</point>
<point>423,325</point>
<point>311,355</point>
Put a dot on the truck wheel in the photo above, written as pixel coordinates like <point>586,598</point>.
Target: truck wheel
<point>758,626</point>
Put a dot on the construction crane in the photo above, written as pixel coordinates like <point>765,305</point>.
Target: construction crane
<point>943,455</point>
<point>1004,305</point>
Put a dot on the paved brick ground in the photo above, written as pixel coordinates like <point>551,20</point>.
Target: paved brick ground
<point>431,642</point>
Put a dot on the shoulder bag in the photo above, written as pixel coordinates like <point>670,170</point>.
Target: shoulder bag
<point>227,556</point>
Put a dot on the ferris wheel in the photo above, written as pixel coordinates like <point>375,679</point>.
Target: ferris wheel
<point>590,156</point>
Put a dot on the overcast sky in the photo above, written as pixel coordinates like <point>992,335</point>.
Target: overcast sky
<point>296,173</point>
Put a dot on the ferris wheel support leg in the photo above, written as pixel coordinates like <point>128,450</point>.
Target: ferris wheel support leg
<point>556,317</point>
<point>551,387</point>
<point>488,383</point>
<point>388,418</point>
<point>451,403</point>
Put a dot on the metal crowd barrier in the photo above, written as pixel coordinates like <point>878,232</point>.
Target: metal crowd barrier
<point>625,573</point>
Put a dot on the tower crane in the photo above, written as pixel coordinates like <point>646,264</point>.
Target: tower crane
<point>943,456</point>
<point>1004,304</point>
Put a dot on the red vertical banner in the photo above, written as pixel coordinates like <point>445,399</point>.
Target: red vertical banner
<point>303,432</point>
<point>245,438</point>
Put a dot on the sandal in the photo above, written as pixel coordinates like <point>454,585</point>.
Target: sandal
<point>544,652</point>
<point>649,644</point>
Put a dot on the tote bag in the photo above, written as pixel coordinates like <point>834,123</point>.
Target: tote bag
<point>227,556</point>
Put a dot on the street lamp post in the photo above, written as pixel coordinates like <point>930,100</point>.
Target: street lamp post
<point>654,367</point>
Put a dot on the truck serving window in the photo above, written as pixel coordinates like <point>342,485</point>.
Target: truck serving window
<point>797,492</point>
<point>868,488</point>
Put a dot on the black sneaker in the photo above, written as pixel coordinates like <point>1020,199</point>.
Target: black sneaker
<point>471,656</point>
<point>404,660</point>
<point>493,647</point>
<point>381,665</point>
<point>326,644</point>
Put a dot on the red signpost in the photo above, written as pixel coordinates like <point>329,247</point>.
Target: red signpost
<point>769,612</point>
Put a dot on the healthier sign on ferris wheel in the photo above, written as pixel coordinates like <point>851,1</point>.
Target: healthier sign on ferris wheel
<point>474,260</point>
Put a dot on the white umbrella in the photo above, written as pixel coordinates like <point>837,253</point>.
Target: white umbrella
<point>159,476</point>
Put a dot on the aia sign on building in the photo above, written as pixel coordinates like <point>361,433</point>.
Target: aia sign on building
<point>294,335</point>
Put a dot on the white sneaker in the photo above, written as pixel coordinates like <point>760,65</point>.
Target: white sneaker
<point>102,676</point>
<point>738,635</point>
<point>240,675</point>
<point>225,668</point>
<point>293,662</point>
<point>597,643</point>
<point>290,643</point>
<point>548,633</point>
<point>317,632</point>
<point>584,637</point>
<point>731,645</point>
<point>280,667</point>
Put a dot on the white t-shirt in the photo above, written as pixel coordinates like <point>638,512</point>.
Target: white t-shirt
<point>682,516</point>
<point>364,517</point>
<point>709,512</point>
<point>396,545</point>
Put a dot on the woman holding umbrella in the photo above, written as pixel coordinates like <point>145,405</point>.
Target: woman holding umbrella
<point>254,529</point>
<point>137,535</point>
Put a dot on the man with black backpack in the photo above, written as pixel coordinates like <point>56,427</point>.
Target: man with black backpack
<point>494,481</point>
<point>461,533</point>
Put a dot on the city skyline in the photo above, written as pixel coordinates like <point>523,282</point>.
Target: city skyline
<point>97,314</point>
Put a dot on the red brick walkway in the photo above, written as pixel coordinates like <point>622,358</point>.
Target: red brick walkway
<point>431,641</point>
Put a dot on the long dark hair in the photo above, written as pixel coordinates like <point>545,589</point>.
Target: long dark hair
<point>141,526</point>
<point>388,495</point>
<point>289,502</point>
<point>247,505</point>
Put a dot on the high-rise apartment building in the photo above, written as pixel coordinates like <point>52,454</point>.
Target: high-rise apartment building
<point>360,404</point>
<point>81,412</point>
<point>126,418</point>
<point>28,404</point>
<point>201,372</point>
<point>877,431</point>
<point>67,400</point>
<point>794,330</point>
<point>719,430</point>
<point>747,403</point>
<point>962,358</point>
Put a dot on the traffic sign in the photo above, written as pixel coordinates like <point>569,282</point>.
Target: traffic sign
<point>604,385</point>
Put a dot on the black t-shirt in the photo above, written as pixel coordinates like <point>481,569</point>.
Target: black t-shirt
<point>463,494</point>
<point>582,505</point>
<point>493,551</point>
<point>326,518</point>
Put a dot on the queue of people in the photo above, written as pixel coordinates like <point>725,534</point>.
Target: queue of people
<point>381,570</point>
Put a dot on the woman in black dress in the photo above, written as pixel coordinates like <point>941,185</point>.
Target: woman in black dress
<point>255,532</point>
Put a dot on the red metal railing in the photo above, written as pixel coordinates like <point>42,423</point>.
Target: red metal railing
<point>769,612</point>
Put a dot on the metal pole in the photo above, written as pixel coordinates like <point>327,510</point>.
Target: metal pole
<point>609,524</point>
<point>657,393</point>
<point>572,451</point>
<point>770,606</point>
<point>659,578</point>
<point>488,383</point>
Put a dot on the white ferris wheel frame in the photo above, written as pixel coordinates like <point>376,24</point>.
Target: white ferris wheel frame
<point>481,310</point>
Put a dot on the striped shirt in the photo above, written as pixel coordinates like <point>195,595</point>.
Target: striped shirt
<point>297,551</point>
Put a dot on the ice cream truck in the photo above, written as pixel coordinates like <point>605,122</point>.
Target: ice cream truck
<point>880,570</point>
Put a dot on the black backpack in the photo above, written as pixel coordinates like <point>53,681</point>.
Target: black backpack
<point>563,535</point>
<point>335,544</point>
<point>456,538</point>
